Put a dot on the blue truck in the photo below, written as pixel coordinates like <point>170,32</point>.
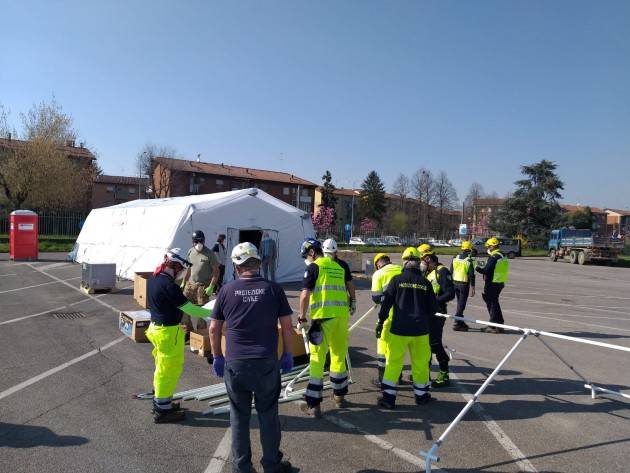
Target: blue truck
<point>583,246</point>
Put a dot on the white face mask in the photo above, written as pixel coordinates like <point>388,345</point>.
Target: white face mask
<point>423,266</point>
<point>198,246</point>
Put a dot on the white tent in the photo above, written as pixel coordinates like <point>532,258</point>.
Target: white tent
<point>135,235</point>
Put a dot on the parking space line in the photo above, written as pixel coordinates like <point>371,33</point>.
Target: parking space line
<point>379,442</point>
<point>221,454</point>
<point>54,265</point>
<point>38,285</point>
<point>8,274</point>
<point>63,366</point>
<point>497,432</point>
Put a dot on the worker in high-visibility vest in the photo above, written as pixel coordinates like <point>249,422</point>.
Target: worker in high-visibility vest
<point>385,271</point>
<point>463,271</point>
<point>413,302</point>
<point>440,278</point>
<point>495,275</point>
<point>425,249</point>
<point>324,294</point>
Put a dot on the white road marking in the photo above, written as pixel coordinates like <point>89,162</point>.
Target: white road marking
<point>497,432</point>
<point>53,265</point>
<point>538,301</point>
<point>221,454</point>
<point>63,366</point>
<point>77,289</point>
<point>39,285</point>
<point>8,274</point>
<point>379,442</point>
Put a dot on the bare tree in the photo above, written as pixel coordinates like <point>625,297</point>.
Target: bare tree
<point>445,201</point>
<point>423,187</point>
<point>38,172</point>
<point>158,176</point>
<point>402,188</point>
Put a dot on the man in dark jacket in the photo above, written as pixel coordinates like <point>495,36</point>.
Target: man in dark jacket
<point>440,278</point>
<point>414,306</point>
<point>495,275</point>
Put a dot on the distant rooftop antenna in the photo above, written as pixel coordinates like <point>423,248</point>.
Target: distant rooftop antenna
<point>198,157</point>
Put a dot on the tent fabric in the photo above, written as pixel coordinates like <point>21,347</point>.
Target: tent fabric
<point>135,235</point>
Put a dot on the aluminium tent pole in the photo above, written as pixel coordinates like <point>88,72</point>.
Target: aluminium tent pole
<point>432,453</point>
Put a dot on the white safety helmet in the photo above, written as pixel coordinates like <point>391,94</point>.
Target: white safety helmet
<point>244,251</point>
<point>175,255</point>
<point>329,246</point>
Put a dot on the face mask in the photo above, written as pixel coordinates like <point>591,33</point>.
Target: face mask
<point>199,246</point>
<point>423,267</point>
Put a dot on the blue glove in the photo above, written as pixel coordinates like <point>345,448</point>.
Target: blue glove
<point>218,366</point>
<point>286,362</point>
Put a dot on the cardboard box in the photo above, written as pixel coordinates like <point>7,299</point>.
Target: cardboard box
<point>134,324</point>
<point>353,258</point>
<point>201,341</point>
<point>140,288</point>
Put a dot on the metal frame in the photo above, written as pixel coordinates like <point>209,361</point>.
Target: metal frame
<point>431,455</point>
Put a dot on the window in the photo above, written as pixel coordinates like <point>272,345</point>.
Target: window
<point>219,182</point>
<point>132,190</point>
<point>285,191</point>
<point>305,192</point>
<point>110,188</point>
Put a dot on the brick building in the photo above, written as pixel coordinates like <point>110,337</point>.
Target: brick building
<point>178,177</point>
<point>618,222</point>
<point>482,211</point>
<point>600,217</point>
<point>112,190</point>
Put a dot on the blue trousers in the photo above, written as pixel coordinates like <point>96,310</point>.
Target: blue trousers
<point>257,379</point>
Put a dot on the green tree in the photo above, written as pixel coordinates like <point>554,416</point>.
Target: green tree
<point>533,209</point>
<point>398,223</point>
<point>582,219</point>
<point>328,191</point>
<point>372,198</point>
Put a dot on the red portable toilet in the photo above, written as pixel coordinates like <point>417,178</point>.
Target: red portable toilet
<point>23,235</point>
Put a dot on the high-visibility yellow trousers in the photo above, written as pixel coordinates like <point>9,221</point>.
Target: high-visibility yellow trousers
<point>335,341</point>
<point>420,353</point>
<point>381,347</point>
<point>168,353</point>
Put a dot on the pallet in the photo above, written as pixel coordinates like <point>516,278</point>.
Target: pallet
<point>90,290</point>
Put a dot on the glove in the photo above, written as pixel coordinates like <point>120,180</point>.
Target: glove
<point>210,290</point>
<point>302,323</point>
<point>379,329</point>
<point>218,366</point>
<point>286,362</point>
<point>353,306</point>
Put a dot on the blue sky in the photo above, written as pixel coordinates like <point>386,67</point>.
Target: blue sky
<point>474,88</point>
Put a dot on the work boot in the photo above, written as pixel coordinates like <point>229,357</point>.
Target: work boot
<point>174,407</point>
<point>460,327</point>
<point>424,399</point>
<point>311,411</point>
<point>167,416</point>
<point>283,467</point>
<point>490,330</point>
<point>340,401</point>
<point>442,380</point>
<point>385,404</point>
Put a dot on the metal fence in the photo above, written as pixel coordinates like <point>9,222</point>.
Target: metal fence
<point>64,223</point>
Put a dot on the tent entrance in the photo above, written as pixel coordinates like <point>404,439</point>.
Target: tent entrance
<point>251,235</point>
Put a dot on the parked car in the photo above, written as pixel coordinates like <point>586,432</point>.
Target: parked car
<point>455,242</point>
<point>393,240</point>
<point>356,241</point>
<point>439,243</point>
<point>510,247</point>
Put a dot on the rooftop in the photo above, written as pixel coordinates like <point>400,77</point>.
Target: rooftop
<point>232,171</point>
<point>577,208</point>
<point>69,149</point>
<point>121,180</point>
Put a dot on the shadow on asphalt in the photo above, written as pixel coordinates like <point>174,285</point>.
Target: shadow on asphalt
<point>580,334</point>
<point>30,436</point>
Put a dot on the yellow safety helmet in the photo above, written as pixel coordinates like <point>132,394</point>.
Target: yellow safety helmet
<point>411,253</point>
<point>425,249</point>
<point>492,242</point>
<point>467,245</point>
<point>379,256</point>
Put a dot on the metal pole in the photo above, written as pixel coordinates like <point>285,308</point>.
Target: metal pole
<point>352,215</point>
<point>431,454</point>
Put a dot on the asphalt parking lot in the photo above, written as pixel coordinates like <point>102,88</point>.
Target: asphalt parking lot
<point>66,386</point>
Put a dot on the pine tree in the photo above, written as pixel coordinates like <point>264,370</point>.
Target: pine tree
<point>372,198</point>
<point>329,199</point>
